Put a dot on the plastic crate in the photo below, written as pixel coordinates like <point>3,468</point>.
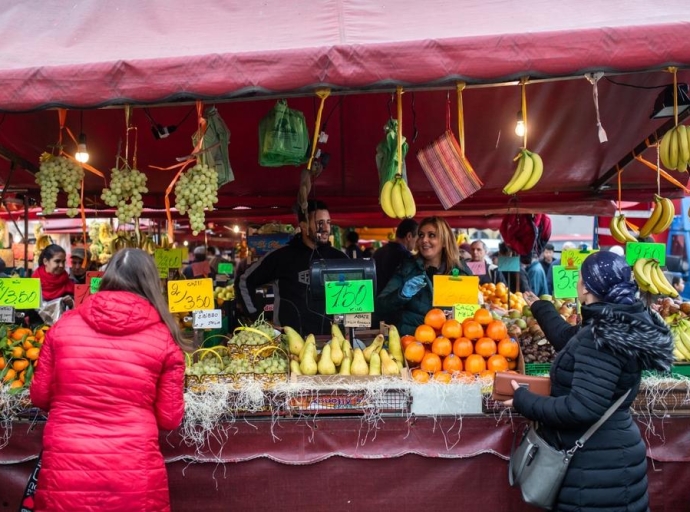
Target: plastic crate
<point>537,368</point>
<point>681,369</point>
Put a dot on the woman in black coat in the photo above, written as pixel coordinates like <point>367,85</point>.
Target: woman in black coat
<point>598,362</point>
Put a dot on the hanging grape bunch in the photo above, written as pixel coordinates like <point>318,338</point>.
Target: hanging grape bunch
<point>196,190</point>
<point>55,173</point>
<point>125,193</point>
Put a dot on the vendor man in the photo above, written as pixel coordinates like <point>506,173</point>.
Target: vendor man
<point>287,269</point>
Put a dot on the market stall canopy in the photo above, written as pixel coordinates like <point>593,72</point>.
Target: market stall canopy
<point>164,53</point>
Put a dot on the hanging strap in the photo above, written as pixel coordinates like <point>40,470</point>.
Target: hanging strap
<point>591,430</point>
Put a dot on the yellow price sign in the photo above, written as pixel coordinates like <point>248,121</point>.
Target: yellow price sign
<point>20,292</point>
<point>451,290</point>
<point>190,295</point>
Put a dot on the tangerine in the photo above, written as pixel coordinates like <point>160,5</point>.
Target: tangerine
<point>443,376</point>
<point>451,329</point>
<point>452,363</point>
<point>483,316</point>
<point>20,364</point>
<point>17,352</point>
<point>420,375</point>
<point>475,364</point>
<point>485,347</point>
<point>512,365</point>
<point>2,363</point>
<point>431,363</point>
<point>496,330</point>
<point>19,333</point>
<point>414,353</point>
<point>472,329</point>
<point>497,363</point>
<point>442,346</point>
<point>33,353</point>
<point>435,318</point>
<point>425,333</point>
<point>463,347</point>
<point>16,384</point>
<point>509,348</point>
<point>11,374</point>
<point>406,340</point>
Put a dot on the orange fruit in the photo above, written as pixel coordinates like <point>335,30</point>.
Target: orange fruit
<point>2,363</point>
<point>420,375</point>
<point>406,340</point>
<point>20,364</point>
<point>451,329</point>
<point>11,374</point>
<point>32,353</point>
<point>472,329</point>
<point>414,353</point>
<point>452,363</point>
<point>487,374</point>
<point>483,316</point>
<point>431,363</point>
<point>16,384</point>
<point>22,376</point>
<point>442,346</point>
<point>425,333</point>
<point>475,364</point>
<point>19,333</point>
<point>485,347</point>
<point>497,363</point>
<point>496,330</point>
<point>435,318</point>
<point>28,342</point>
<point>512,364</point>
<point>442,376</point>
<point>463,347</point>
<point>17,352</point>
<point>509,348</point>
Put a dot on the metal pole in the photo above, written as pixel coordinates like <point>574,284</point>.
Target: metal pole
<point>26,234</point>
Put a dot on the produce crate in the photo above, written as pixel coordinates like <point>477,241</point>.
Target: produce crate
<point>537,368</point>
<point>681,369</point>
<point>672,399</point>
<point>233,380</point>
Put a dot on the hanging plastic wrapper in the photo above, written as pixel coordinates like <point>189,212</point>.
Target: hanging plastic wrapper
<point>283,137</point>
<point>593,78</point>
<point>387,154</point>
<point>216,142</point>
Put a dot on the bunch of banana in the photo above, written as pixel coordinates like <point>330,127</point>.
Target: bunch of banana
<point>105,233</point>
<point>396,199</point>
<point>674,149</point>
<point>661,217</point>
<point>680,328</point>
<point>147,244</point>
<point>527,173</point>
<point>619,230</point>
<point>651,278</point>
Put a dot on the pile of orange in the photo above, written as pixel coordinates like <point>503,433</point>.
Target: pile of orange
<point>497,295</point>
<point>443,349</point>
<point>19,351</point>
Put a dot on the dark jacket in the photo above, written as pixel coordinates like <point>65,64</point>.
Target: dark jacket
<point>492,275</point>
<point>537,279</point>
<point>412,309</point>
<point>388,258</point>
<point>287,269</point>
<point>596,364</point>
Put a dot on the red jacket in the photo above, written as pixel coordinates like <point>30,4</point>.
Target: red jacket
<point>111,375</point>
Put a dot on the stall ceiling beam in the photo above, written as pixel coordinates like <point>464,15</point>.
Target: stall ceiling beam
<point>11,156</point>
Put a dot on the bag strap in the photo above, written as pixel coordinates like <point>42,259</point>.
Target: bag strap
<point>591,430</point>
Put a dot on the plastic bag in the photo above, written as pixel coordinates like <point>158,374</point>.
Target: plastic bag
<point>217,140</point>
<point>283,137</point>
<point>387,154</point>
<point>51,310</point>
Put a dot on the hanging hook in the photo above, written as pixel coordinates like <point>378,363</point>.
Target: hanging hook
<point>415,132</point>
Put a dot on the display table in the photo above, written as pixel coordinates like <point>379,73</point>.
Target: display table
<point>341,464</point>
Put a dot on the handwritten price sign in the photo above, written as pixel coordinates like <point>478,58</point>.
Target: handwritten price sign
<point>573,258</point>
<point>20,293</point>
<point>349,296</point>
<point>565,282</point>
<point>190,295</point>
<point>168,258</point>
<point>451,290</point>
<point>95,284</point>
<point>478,268</point>
<point>637,250</point>
<point>464,311</point>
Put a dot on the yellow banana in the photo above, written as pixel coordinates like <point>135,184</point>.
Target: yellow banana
<point>653,219</point>
<point>684,146</point>
<point>408,199</point>
<point>660,281</point>
<point>642,279</point>
<point>522,174</point>
<point>385,199</point>
<point>397,200</point>
<point>673,151</point>
<point>615,232</point>
<point>677,355</point>
<point>624,231</point>
<point>667,215</point>
<point>537,171</point>
<point>664,149</point>
<point>647,272</point>
<point>684,339</point>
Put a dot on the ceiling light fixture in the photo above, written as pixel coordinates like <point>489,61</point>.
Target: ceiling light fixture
<point>82,155</point>
<point>520,125</point>
<point>663,106</point>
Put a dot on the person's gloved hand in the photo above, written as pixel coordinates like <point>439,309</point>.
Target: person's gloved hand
<point>412,287</point>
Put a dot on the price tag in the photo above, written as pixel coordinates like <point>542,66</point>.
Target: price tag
<point>509,264</point>
<point>163,273</point>
<point>478,268</point>
<point>168,258</point>
<point>573,258</point>
<point>184,251</point>
<point>93,273</point>
<point>190,295</point>
<point>95,284</point>
<point>637,250</point>
<point>208,319</point>
<point>20,292</point>
<point>565,282</point>
<point>349,296</point>
<point>6,314</point>
<point>358,320</point>
<point>226,268</point>
<point>451,290</point>
<point>464,311</point>
<point>81,292</point>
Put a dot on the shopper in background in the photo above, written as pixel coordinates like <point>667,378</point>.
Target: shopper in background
<point>678,283</point>
<point>517,281</point>
<point>77,270</point>
<point>410,290</point>
<point>491,272</point>
<point>535,274</point>
<point>200,267</point>
<point>597,363</point>
<point>111,375</point>
<point>55,281</point>
<point>547,262</point>
<point>389,257</point>
<point>465,251</point>
<point>353,250</point>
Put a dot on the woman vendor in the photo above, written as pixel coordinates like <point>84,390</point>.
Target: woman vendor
<point>55,281</point>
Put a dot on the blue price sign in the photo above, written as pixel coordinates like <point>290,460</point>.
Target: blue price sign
<point>509,264</point>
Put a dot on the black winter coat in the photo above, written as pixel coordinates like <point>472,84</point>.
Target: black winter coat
<point>596,364</point>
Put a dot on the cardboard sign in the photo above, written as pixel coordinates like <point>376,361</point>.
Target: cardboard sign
<point>565,282</point>
<point>637,250</point>
<point>20,292</point>
<point>464,311</point>
<point>226,268</point>
<point>81,292</point>
<point>209,319</point>
<point>6,314</point>
<point>190,295</point>
<point>355,296</point>
<point>95,284</point>
<point>358,320</point>
<point>573,258</point>
<point>168,258</point>
<point>509,263</point>
<point>451,290</point>
<point>478,268</point>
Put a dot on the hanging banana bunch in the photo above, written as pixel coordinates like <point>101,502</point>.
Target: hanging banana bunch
<point>619,230</point>
<point>661,217</point>
<point>650,278</point>
<point>396,199</point>
<point>674,150</point>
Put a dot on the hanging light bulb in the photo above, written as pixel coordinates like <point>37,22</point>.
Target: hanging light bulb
<point>236,228</point>
<point>520,127</point>
<point>82,155</point>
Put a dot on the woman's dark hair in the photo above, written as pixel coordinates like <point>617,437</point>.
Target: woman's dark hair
<point>49,253</point>
<point>133,270</point>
